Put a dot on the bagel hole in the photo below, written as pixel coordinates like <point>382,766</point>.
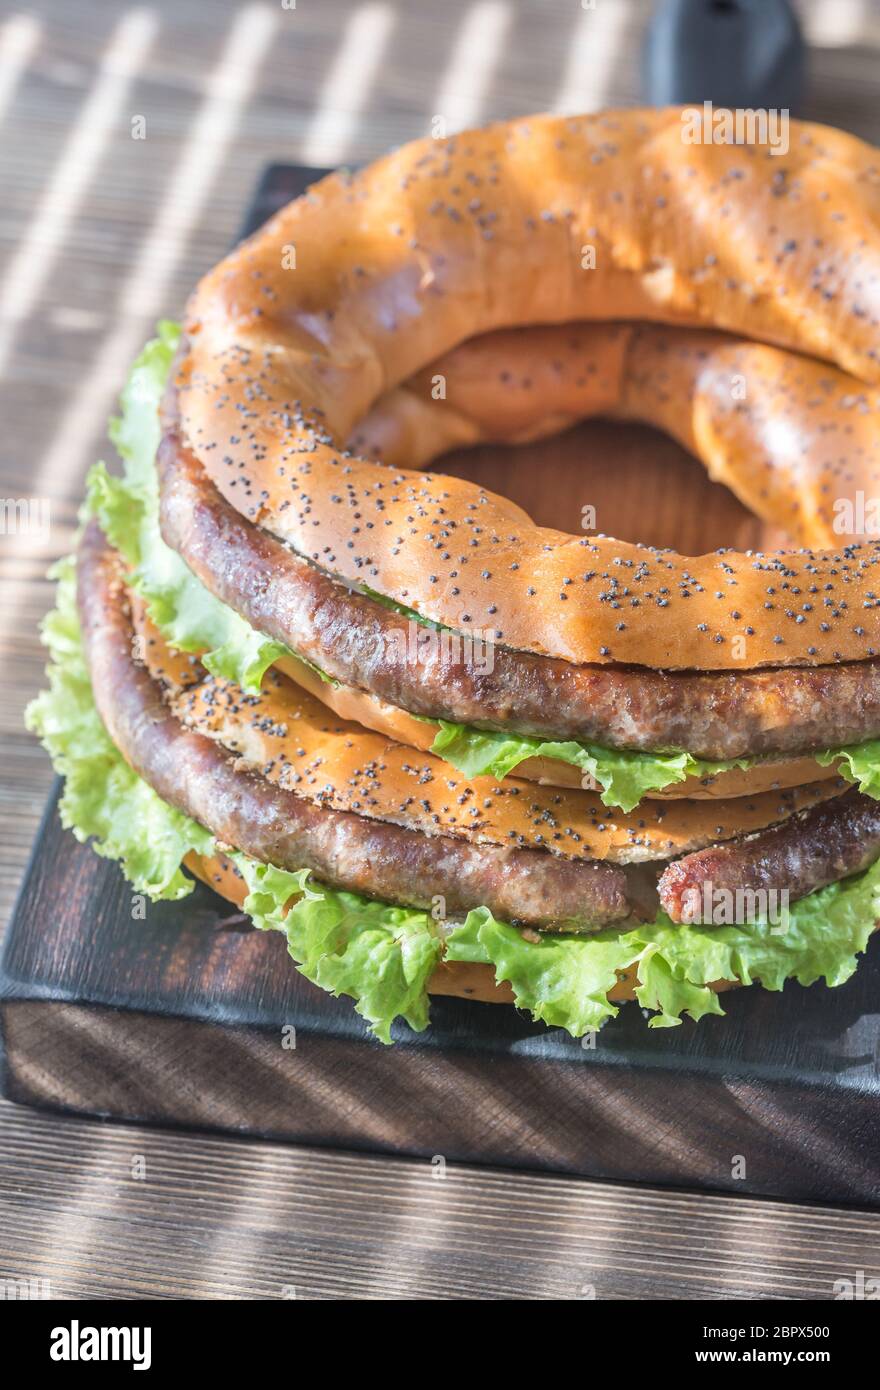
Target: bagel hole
<point>641,484</point>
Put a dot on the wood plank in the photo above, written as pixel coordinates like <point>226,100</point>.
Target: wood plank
<point>219,1219</point>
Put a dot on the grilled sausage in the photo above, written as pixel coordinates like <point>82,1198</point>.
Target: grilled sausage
<point>274,825</point>
<point>365,644</point>
<point>825,844</point>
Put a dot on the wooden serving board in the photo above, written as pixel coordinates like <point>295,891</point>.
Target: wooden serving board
<point>185,1017</point>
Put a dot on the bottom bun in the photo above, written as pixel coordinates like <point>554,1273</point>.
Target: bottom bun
<point>459,979</point>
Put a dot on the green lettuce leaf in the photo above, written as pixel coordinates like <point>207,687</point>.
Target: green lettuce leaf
<point>859,762</point>
<point>821,939</point>
<point>381,956</point>
<point>625,777</point>
<point>187,614</point>
<point>563,980</point>
<point>560,980</point>
<point>103,798</point>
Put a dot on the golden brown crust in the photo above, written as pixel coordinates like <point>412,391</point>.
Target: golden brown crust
<point>294,337</point>
<point>797,440</point>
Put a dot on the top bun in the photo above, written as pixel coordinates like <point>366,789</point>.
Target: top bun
<point>370,277</point>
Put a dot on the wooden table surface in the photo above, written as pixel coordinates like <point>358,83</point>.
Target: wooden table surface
<point>130,139</point>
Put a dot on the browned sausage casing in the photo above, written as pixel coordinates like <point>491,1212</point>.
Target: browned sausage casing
<point>828,843</point>
<point>364,644</point>
<point>274,825</point>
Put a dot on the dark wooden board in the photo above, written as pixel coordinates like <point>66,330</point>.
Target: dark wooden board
<point>178,1019</point>
<point>170,1019</point>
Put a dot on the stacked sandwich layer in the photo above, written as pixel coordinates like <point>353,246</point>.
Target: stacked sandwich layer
<point>440,748</point>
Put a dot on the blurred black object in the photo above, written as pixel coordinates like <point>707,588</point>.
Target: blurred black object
<point>734,53</point>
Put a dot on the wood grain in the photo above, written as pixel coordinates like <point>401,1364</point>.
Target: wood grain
<point>67,1204</point>
<point>222,1219</point>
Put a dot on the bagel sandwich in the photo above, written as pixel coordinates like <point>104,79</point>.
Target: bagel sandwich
<point>441,749</point>
<point>572,926</point>
<point>627,731</point>
<point>524,644</point>
<point>393,877</point>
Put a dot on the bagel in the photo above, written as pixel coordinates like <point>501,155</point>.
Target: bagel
<point>443,241</point>
<point>784,432</point>
<point>439,747</point>
<point>294,374</point>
